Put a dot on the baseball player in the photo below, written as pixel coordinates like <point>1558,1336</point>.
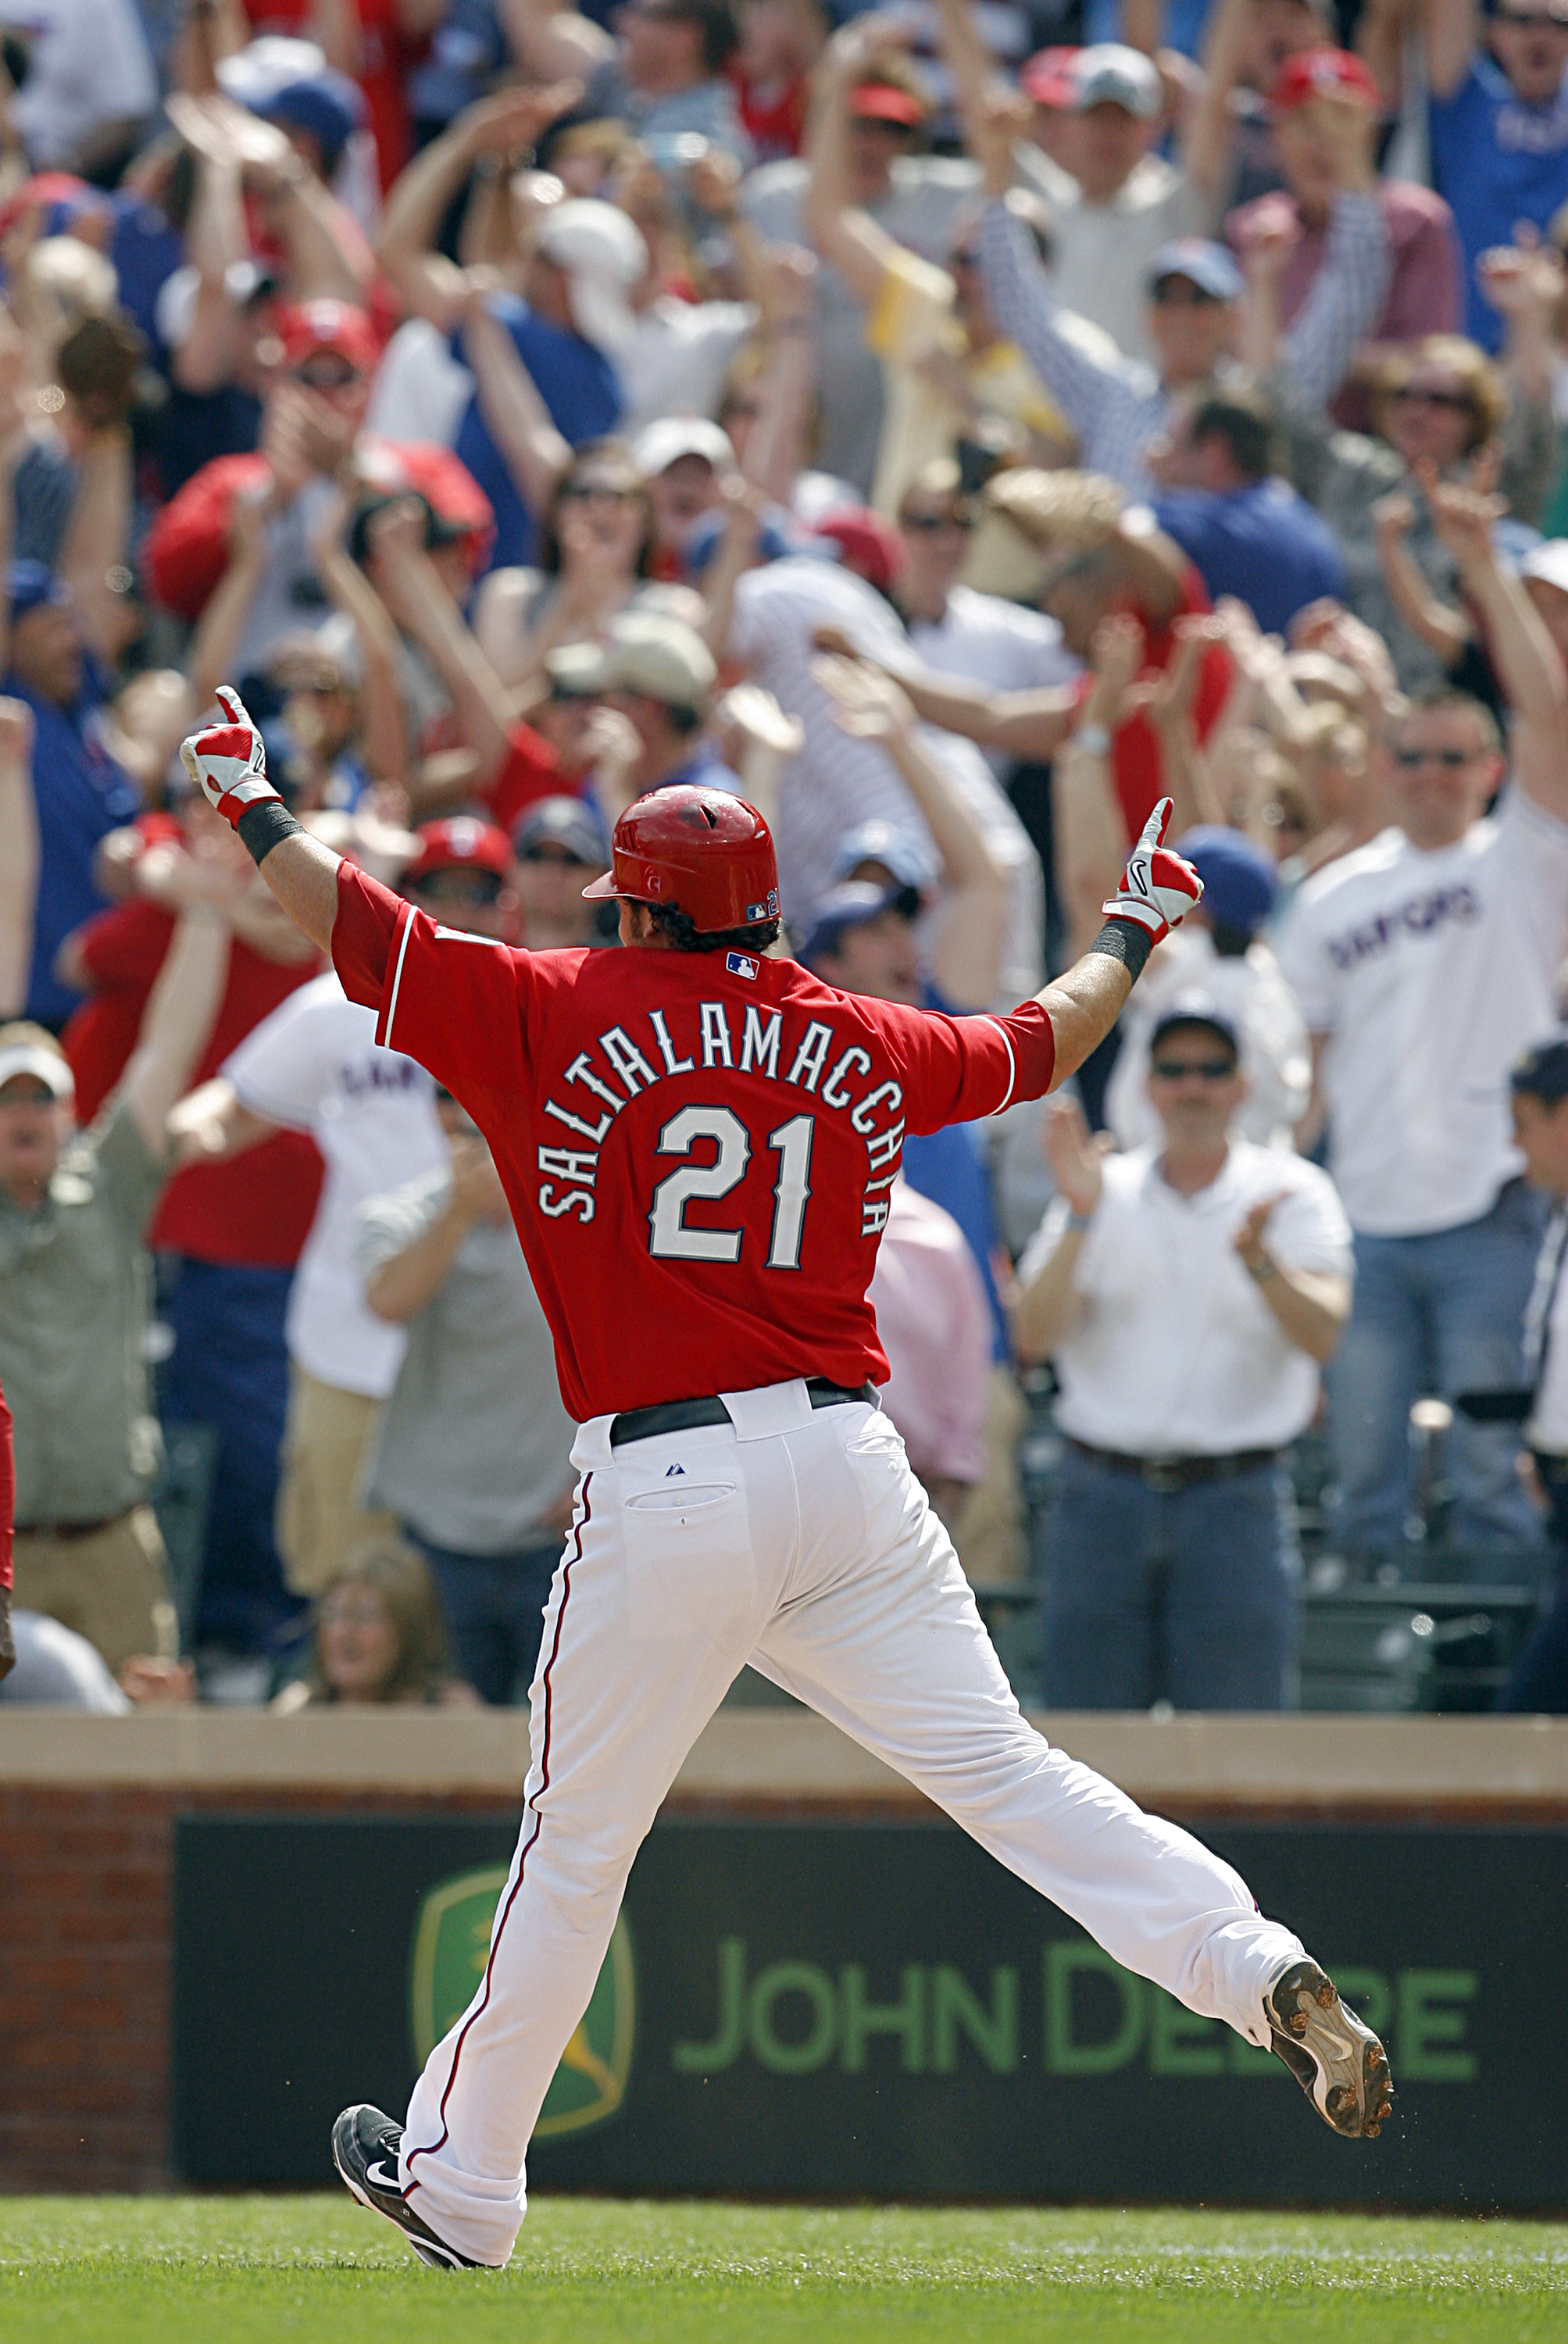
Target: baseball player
<point>697,1143</point>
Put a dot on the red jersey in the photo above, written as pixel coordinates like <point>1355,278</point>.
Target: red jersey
<point>697,1147</point>
<point>1137,761</point>
<point>257,1207</point>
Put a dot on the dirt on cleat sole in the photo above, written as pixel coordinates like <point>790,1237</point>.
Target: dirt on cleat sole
<point>1338,2061</point>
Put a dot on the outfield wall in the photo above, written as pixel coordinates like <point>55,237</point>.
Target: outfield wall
<point>869,1989</point>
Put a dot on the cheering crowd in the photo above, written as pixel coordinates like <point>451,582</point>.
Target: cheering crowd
<point>955,429</point>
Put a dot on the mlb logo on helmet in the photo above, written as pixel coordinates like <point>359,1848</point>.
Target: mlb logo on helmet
<point>740,965</point>
<point>768,911</point>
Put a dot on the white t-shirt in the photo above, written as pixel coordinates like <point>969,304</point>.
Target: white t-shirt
<point>1430,973</point>
<point>420,391</point>
<point>988,640</point>
<point>1177,1353</point>
<point>678,358</point>
<point>1250,989</point>
<point>90,65</point>
<point>314,1064</point>
<point>836,783</point>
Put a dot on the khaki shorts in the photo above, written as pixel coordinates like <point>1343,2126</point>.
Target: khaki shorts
<point>112,1586</point>
<point>326,1447</point>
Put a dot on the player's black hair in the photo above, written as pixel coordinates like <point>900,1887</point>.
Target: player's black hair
<point>677,928</point>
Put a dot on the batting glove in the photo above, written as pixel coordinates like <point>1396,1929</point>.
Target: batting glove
<point>1157,888</point>
<point>228,763</point>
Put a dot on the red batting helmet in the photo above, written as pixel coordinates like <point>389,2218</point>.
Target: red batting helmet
<point>697,851</point>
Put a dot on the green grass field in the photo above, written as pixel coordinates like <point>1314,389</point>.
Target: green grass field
<point>267,2270</point>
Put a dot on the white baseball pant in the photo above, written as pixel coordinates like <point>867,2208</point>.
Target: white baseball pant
<point>799,1540</point>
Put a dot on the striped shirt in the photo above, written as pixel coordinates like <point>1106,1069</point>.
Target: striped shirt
<point>1117,409</point>
<point>836,783</point>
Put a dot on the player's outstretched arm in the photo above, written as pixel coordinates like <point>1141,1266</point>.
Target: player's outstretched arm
<point>1158,890</point>
<point>227,763</point>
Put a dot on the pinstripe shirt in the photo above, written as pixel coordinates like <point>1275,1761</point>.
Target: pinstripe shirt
<point>1117,409</point>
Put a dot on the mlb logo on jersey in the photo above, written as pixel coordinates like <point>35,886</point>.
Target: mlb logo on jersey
<point>741,965</point>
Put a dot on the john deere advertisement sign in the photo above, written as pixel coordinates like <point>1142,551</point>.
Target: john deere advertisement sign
<point>877,2010</point>
<point>452,1943</point>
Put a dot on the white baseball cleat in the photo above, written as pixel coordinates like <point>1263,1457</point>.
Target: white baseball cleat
<point>1339,2063</point>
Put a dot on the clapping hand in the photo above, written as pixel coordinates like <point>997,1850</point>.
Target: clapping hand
<point>1075,1155</point>
<point>1249,1237</point>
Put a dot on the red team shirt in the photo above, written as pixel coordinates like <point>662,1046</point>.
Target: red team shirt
<point>697,1147</point>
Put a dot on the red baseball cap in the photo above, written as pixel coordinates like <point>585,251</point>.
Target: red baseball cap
<point>884,101</point>
<point>306,326</point>
<point>461,843</point>
<point>1323,72</point>
<point>1047,78</point>
<point>868,544</point>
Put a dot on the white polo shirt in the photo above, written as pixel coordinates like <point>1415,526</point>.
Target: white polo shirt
<point>1178,1354</point>
<point>315,1065</point>
<point>1430,973</point>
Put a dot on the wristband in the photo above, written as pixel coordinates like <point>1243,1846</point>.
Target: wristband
<point>1093,739</point>
<point>1078,1222</point>
<point>1263,1270</point>
<point>1128,941</point>
<point>262,827</point>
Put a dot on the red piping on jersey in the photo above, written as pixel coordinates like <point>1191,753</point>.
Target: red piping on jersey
<point>538,1820</point>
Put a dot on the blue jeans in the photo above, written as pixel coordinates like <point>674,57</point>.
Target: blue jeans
<point>1187,1596</point>
<point>494,1608</point>
<point>1443,1314</point>
<point>230,1369</point>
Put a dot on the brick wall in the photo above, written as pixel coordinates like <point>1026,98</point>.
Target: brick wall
<point>85,1940</point>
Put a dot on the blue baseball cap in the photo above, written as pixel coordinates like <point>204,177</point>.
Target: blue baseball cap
<point>902,852</point>
<point>1205,264</point>
<point>1240,882</point>
<point>1542,1072</point>
<point>852,905</point>
<point>1197,1009</point>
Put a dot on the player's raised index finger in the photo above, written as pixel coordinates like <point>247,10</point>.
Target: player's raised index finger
<point>1155,828</point>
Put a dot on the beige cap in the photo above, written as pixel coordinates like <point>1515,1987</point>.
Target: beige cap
<point>1068,512</point>
<point>647,652</point>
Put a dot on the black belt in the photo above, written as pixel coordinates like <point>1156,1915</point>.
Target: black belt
<point>1168,1473</point>
<point>64,1533</point>
<point>681,1415</point>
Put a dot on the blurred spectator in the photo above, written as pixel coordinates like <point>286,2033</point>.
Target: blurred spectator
<point>75,1290</point>
<point>914,198</point>
<point>310,427</point>
<point>934,1323</point>
<point>1423,964</point>
<point>947,373</point>
<point>474,1452</point>
<point>559,847</point>
<point>378,1639</point>
<point>1193,291</point>
<point>1117,202</point>
<point>1226,961</point>
<point>657,676</point>
<point>80,793</point>
<point>1499,127</point>
<point>314,1066</point>
<point>89,85</point>
<point>1247,531</point>
<point>780,41</point>
<point>667,78</point>
<point>1187,1294</point>
<point>1426,289</point>
<point>563,305</point>
<point>1538,1085</point>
